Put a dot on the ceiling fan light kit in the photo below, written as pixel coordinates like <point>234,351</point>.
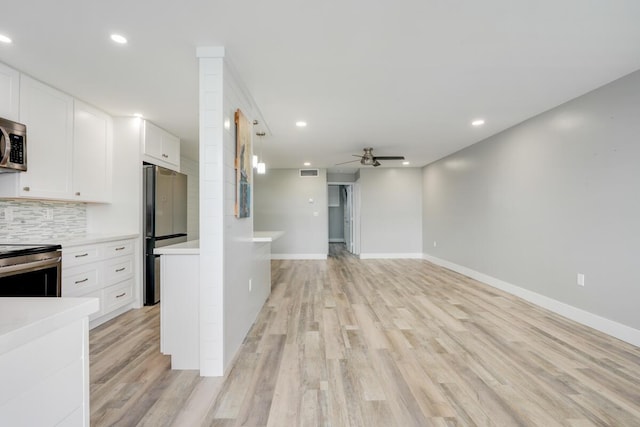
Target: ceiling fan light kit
<point>368,159</point>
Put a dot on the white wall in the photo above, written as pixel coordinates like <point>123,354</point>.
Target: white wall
<point>554,196</point>
<point>242,257</point>
<point>211,212</point>
<point>282,203</point>
<point>228,257</point>
<point>390,212</point>
<point>124,213</point>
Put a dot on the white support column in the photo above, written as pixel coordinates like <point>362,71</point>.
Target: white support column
<point>211,63</point>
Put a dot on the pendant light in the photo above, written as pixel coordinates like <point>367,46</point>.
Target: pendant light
<point>261,167</point>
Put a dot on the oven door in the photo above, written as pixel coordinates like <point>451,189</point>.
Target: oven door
<point>36,275</point>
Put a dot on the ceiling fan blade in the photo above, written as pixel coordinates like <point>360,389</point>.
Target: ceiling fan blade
<point>344,163</point>
<point>357,155</point>
<point>388,157</point>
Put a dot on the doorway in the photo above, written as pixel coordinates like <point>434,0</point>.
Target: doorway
<point>343,218</point>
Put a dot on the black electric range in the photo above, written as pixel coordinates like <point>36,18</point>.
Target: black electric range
<point>8,250</point>
<point>28,270</point>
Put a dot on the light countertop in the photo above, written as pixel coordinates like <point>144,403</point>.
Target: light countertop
<point>90,239</point>
<point>25,319</point>
<point>266,236</point>
<point>85,239</point>
<point>192,247</point>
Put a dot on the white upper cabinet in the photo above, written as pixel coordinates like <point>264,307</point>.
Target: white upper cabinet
<point>92,154</point>
<point>9,93</point>
<point>69,148</point>
<point>48,115</point>
<point>160,147</point>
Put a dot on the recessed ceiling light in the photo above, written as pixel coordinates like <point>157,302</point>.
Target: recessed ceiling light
<point>118,39</point>
<point>405,163</point>
<point>478,122</point>
<point>307,163</point>
<point>4,39</point>
<point>301,124</point>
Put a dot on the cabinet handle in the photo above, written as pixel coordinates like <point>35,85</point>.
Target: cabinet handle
<point>121,269</point>
<point>165,156</point>
<point>82,255</point>
<point>121,295</point>
<point>77,193</point>
<point>120,248</point>
<point>82,281</point>
<point>26,188</point>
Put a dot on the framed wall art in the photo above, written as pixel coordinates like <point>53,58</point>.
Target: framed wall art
<point>243,166</point>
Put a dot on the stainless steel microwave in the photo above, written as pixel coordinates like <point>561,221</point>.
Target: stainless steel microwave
<point>13,146</point>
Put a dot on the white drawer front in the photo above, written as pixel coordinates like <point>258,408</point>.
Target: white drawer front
<point>81,280</point>
<point>116,249</point>
<point>118,269</point>
<point>118,295</point>
<point>80,255</point>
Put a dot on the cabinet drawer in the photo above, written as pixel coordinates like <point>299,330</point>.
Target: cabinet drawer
<point>80,255</point>
<point>80,280</point>
<point>118,295</point>
<point>116,249</point>
<point>116,270</point>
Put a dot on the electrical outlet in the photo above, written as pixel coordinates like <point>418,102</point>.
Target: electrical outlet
<point>580,279</point>
<point>48,214</point>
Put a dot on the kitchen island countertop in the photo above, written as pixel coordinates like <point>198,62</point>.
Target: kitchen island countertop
<point>23,319</point>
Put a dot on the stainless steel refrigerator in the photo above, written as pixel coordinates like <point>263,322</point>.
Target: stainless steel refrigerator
<point>165,221</point>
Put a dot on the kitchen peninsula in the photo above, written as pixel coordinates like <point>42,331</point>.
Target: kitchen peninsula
<point>180,295</point>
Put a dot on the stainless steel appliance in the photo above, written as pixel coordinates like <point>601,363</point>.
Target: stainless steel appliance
<point>13,146</point>
<point>165,221</point>
<point>30,270</point>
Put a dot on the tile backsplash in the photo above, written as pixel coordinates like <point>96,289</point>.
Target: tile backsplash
<point>29,220</point>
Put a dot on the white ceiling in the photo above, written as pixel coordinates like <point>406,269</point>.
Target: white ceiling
<point>404,77</point>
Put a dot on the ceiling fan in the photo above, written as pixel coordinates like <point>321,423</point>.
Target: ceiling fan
<point>368,159</point>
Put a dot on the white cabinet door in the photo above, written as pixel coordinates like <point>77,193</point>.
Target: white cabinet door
<point>9,93</point>
<point>92,154</point>
<point>160,147</point>
<point>152,140</point>
<point>48,115</point>
<point>171,149</point>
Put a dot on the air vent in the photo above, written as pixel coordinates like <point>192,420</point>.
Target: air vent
<point>309,173</point>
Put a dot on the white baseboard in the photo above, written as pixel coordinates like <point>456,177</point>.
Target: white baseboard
<point>298,256</point>
<point>390,256</point>
<point>336,240</point>
<point>609,327</point>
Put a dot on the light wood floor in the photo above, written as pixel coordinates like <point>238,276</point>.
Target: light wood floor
<point>349,342</point>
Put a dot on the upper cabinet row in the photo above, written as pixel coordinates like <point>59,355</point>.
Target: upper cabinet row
<point>69,144</point>
<point>9,93</point>
<point>160,147</point>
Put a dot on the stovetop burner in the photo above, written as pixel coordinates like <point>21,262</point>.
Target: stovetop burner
<point>18,249</point>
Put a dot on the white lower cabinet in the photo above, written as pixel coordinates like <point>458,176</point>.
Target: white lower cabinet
<point>118,295</point>
<point>105,271</point>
